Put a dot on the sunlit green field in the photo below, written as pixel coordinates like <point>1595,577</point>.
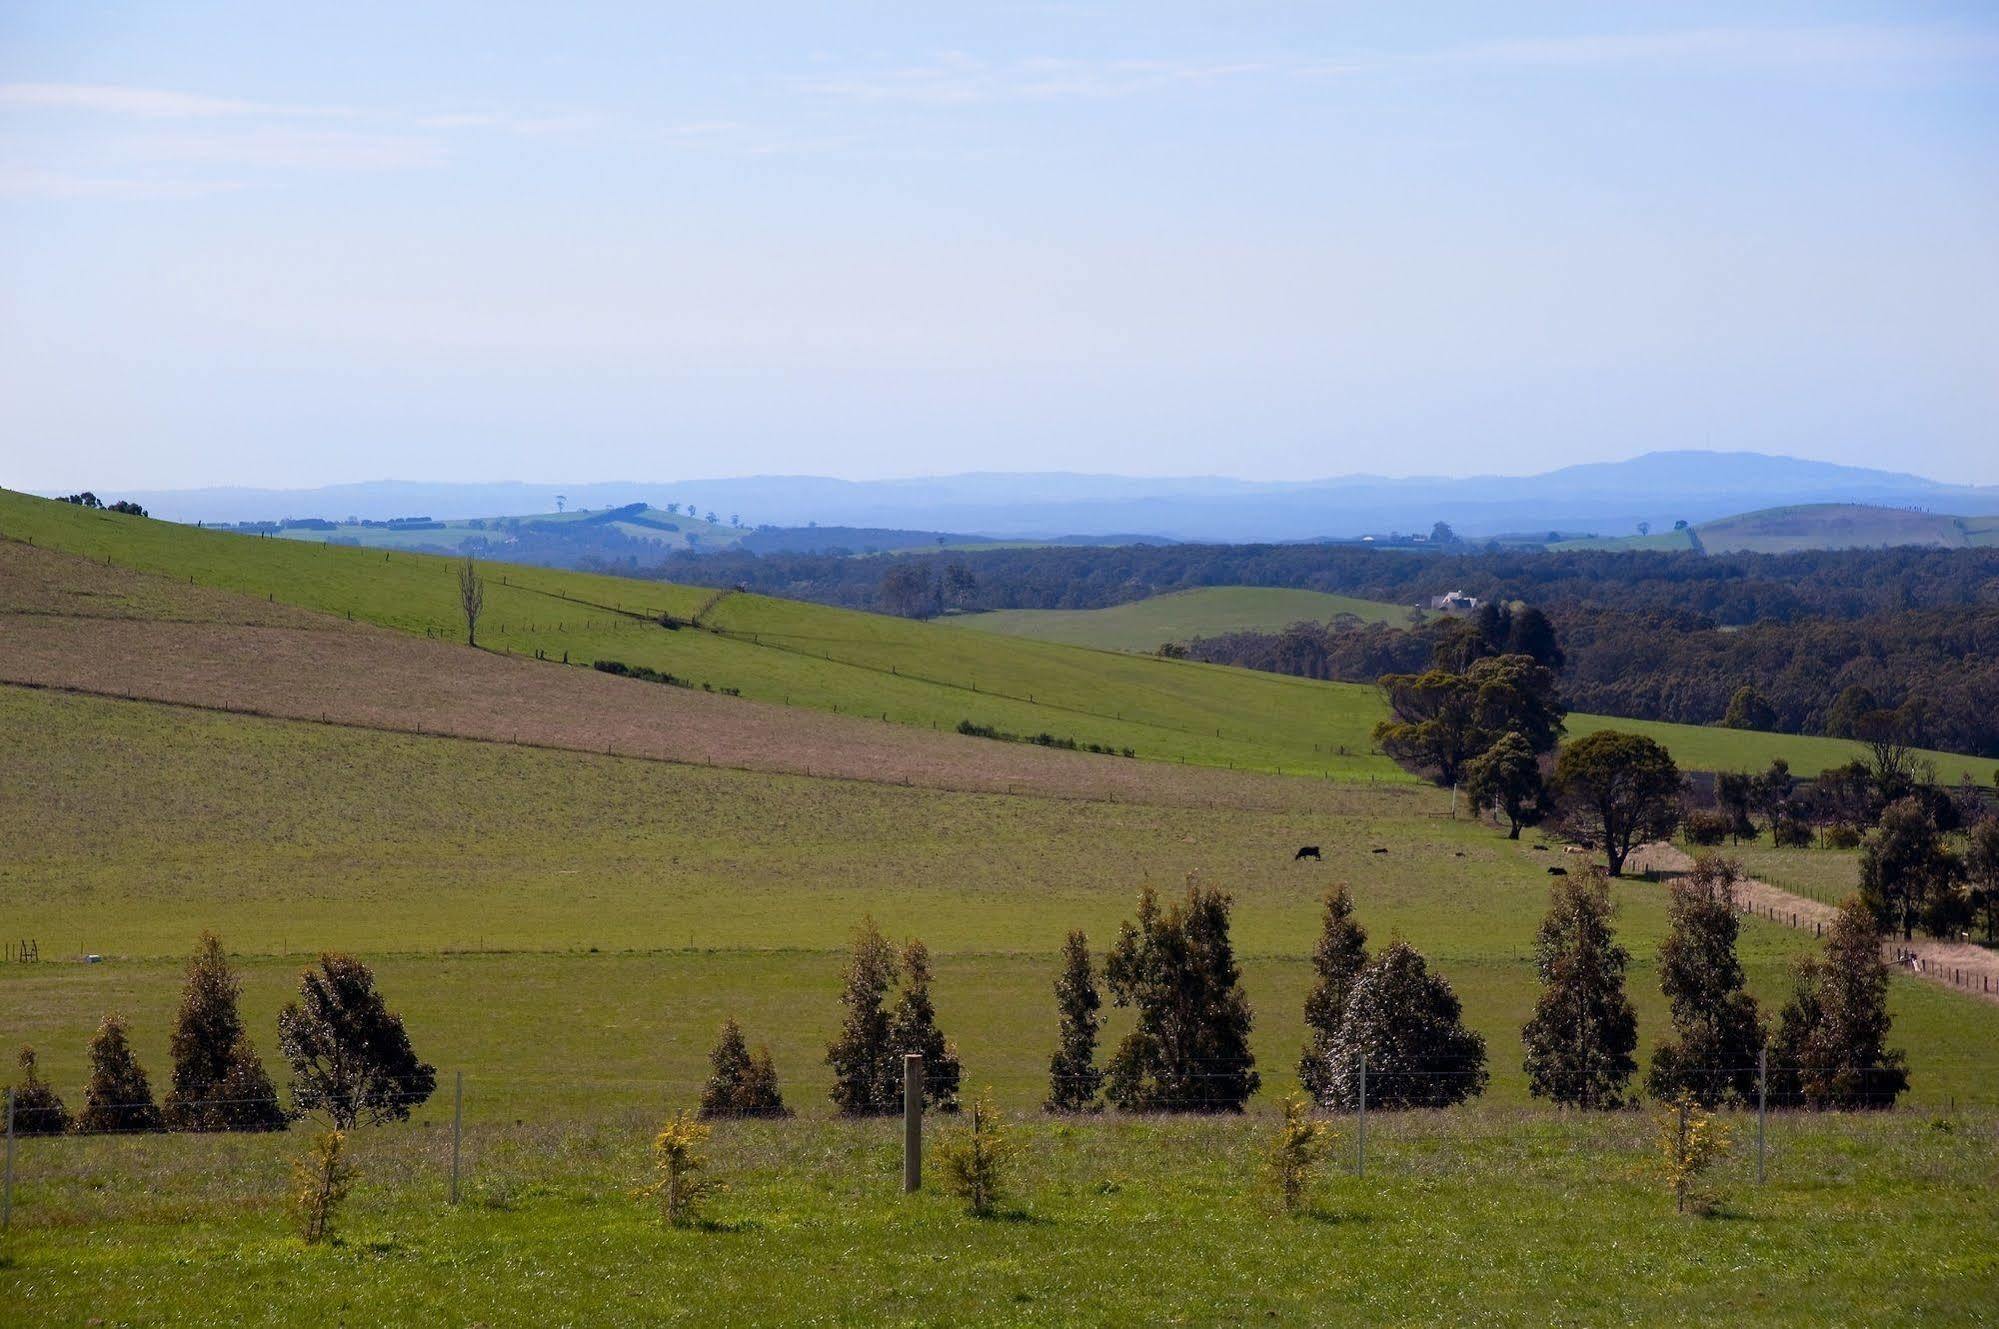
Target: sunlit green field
<point>1480,1217</point>
<point>606,932</point>
<point>1142,625</point>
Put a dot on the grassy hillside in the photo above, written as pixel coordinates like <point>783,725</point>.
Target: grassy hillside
<point>926,675</point>
<point>605,931</point>
<point>1843,526</point>
<point>1813,526</point>
<point>1668,540</point>
<point>1210,611</point>
<point>569,929</point>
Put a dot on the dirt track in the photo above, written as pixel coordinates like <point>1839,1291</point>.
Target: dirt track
<point>1956,965</point>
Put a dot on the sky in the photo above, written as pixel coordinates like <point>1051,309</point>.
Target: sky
<point>294,244</point>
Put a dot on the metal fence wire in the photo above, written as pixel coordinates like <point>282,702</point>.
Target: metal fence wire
<point>1389,1119</point>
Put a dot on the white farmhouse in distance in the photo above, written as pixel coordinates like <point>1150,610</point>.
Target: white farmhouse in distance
<point>1454,602</point>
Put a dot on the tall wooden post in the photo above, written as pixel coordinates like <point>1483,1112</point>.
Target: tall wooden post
<point>912,1122</point>
<point>457,1129</point>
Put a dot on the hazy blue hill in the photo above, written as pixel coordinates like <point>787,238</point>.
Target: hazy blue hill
<point>1607,499</point>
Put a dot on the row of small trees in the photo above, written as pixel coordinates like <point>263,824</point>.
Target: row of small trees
<point>349,1055</point>
<point>1188,1050</point>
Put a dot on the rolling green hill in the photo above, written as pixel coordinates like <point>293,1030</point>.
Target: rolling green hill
<point>928,675</point>
<point>1143,625</point>
<point>1843,526</point>
<point>569,928</point>
<point>1812,526</point>
<point>1669,541</point>
<point>669,531</point>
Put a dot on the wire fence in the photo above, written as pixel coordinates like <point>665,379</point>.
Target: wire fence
<point>492,1140</point>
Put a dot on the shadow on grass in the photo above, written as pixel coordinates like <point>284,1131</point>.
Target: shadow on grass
<point>1021,1217</point>
<point>1334,1217</point>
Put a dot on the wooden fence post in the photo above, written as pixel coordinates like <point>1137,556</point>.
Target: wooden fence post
<point>912,1122</point>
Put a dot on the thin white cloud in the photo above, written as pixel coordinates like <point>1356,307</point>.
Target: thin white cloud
<point>277,148</point>
<point>147,103</point>
<point>1724,46</point>
<point>956,79</point>
<point>46,184</point>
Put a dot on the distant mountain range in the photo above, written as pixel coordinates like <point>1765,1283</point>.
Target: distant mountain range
<point>1602,498</point>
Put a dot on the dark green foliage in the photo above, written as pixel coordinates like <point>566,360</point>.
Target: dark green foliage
<point>913,1028</point>
<point>863,1084</point>
<point>1583,1031</point>
<point>219,1080</point>
<point>1531,634</point>
<point>1409,1026</point>
<point>1074,1079</point>
<point>644,673</point>
<point>866,1056</point>
<point>1750,709</point>
<point>1439,720</point>
<point>1718,1032</point>
<point>1830,1050</point>
<point>349,1054</point>
<point>1176,970</point>
<point>741,1083</point>
<point>1908,878</point>
<point>1981,867</point>
<point>1707,828</point>
<point>972,729</point>
<point>1843,719</point>
<point>1506,777</point>
<point>1618,791</point>
<point>38,1108</point>
<point>119,1097</point>
<point>1336,962</point>
<point>1734,793</point>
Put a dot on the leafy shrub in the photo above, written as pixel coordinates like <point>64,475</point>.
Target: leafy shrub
<point>1842,835</point>
<point>975,1159</point>
<point>1295,1156</point>
<point>741,1083</point>
<point>678,1164</point>
<point>643,673</point>
<point>1707,827</point>
<point>1791,833</point>
<point>38,1109</point>
<point>1691,1143</point>
<point>350,1055</point>
<point>1409,1026</point>
<point>119,1097</point>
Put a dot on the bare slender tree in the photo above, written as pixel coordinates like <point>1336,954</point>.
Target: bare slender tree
<point>471,598</point>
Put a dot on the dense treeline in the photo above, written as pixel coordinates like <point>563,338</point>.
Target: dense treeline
<point>1650,635</point>
<point>1724,590</point>
<point>1674,666</point>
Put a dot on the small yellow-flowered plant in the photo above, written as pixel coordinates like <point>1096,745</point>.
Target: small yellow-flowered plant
<point>1691,1142</point>
<point>677,1164</point>
<point>976,1160</point>
<point>1295,1156</point>
<point>320,1181</point>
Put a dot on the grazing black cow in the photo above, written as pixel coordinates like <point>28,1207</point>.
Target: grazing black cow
<point>1558,872</point>
<point>1381,851</point>
<point>1310,851</point>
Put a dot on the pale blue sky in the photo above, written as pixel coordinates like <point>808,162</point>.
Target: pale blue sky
<point>282,244</point>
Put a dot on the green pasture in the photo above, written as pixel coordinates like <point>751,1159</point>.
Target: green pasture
<point>1485,1217</point>
<point>927,675</point>
<point>1142,625</point>
<point>606,932</point>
